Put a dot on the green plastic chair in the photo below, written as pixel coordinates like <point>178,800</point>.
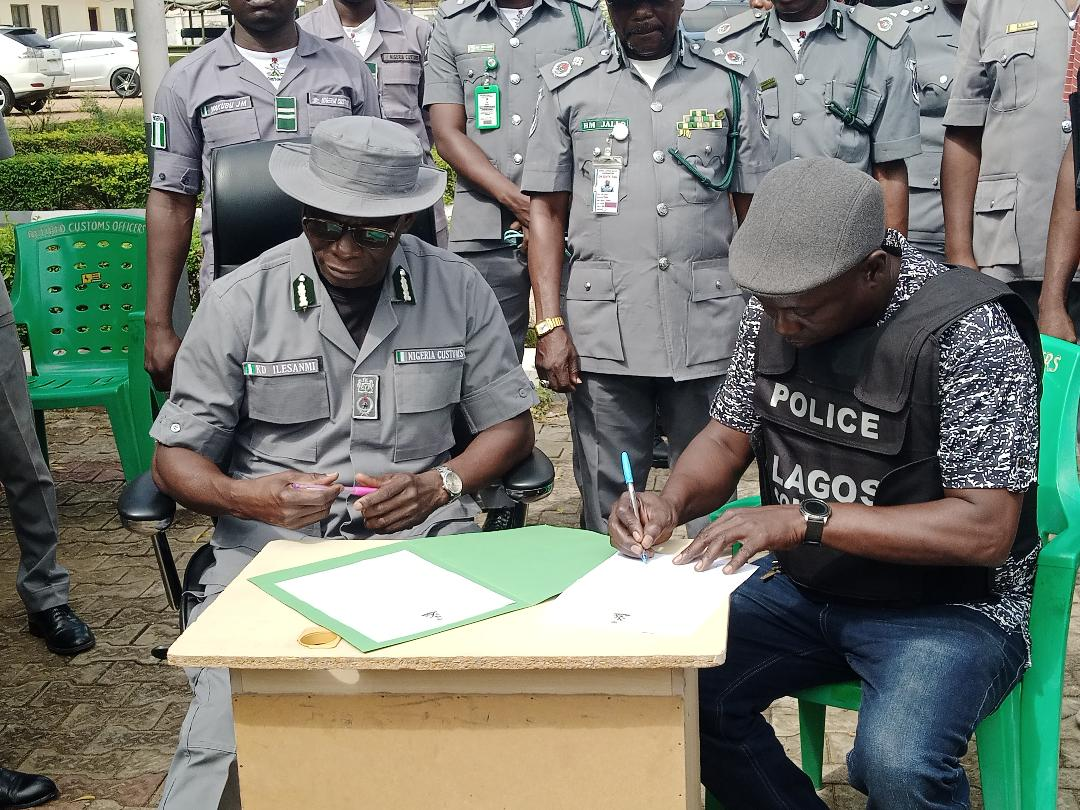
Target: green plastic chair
<point>1018,745</point>
<point>79,280</point>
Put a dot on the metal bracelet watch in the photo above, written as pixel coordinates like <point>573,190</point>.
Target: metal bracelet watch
<point>816,513</point>
<point>548,325</point>
<point>451,482</point>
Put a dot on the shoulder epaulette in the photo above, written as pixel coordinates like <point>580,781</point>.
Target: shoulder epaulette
<point>578,63</point>
<point>736,61</point>
<point>885,24</point>
<point>448,8</point>
<point>910,11</point>
<point>736,25</point>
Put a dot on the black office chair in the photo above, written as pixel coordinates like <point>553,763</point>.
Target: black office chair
<point>250,215</point>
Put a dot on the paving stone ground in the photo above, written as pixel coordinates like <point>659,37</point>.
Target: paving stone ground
<point>104,723</point>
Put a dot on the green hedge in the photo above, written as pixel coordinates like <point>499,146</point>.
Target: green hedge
<point>49,182</point>
<point>119,138</point>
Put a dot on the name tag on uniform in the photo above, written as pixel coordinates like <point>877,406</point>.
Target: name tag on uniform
<point>445,355</point>
<point>225,105</point>
<point>365,396</point>
<point>1016,28</point>
<point>594,124</point>
<point>401,57</point>
<point>283,368</point>
<point>325,100</point>
<point>482,47</point>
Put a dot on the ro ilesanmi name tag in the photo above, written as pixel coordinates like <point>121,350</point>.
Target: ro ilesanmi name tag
<point>283,368</point>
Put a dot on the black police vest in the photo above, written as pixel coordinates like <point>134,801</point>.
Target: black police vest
<point>856,420</point>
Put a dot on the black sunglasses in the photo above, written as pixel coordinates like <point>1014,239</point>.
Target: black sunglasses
<point>329,230</point>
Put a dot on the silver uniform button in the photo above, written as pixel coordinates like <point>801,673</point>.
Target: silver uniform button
<point>514,42</point>
<point>515,78</point>
<point>656,106</point>
<point>663,264</point>
<point>175,427</point>
<point>1066,127</point>
<point>935,182</point>
<point>662,209</point>
<point>658,156</point>
<point>515,119</point>
<point>943,79</point>
<point>800,78</point>
<point>588,286</point>
<point>596,151</point>
<point>719,285</point>
<point>796,118</point>
<point>605,52</point>
<point>695,47</point>
<point>518,158</point>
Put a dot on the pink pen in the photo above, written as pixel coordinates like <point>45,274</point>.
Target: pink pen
<point>357,491</point>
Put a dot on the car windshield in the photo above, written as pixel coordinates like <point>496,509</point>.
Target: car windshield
<point>28,37</point>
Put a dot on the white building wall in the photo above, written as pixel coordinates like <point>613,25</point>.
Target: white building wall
<point>74,14</point>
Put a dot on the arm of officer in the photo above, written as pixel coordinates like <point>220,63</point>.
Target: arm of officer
<point>170,213</point>
<point>962,155</point>
<point>1062,255</point>
<point>444,97</point>
<point>752,161</point>
<point>194,431</point>
<point>896,134</point>
<point>893,177</point>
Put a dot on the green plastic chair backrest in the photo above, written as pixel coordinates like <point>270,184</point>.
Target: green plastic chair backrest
<point>77,279</point>
<point>1059,484</point>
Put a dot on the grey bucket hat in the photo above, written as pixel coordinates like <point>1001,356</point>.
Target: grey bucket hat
<point>358,166</point>
<point>811,221</point>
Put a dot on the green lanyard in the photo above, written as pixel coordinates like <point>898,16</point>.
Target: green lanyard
<point>733,145</point>
<point>850,116</point>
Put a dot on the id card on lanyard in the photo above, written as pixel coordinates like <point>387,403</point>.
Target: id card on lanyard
<point>488,106</point>
<point>607,172</point>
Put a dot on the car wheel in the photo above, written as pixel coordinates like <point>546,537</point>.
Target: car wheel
<point>125,82</point>
<point>35,106</point>
<point>7,98</point>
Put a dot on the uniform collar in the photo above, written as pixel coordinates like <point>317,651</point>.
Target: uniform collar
<point>306,45</point>
<point>494,6</point>
<point>835,21</point>
<point>682,53</point>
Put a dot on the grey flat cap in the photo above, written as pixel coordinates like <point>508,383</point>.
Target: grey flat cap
<point>358,166</point>
<point>811,220</point>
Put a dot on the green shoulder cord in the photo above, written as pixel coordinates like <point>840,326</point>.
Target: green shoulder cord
<point>578,25</point>
<point>733,144</point>
<point>850,116</point>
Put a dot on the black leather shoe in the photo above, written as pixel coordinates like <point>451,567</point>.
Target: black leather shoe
<point>63,631</point>
<point>24,790</point>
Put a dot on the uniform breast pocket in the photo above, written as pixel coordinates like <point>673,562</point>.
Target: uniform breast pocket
<point>424,396</point>
<point>1010,60</point>
<point>592,312</point>
<point>702,164</point>
<point>324,106</point>
<point>400,90</point>
<point>287,407</point>
<point>593,149</point>
<point>227,128</point>
<point>715,307</point>
<point>854,138</point>
<point>471,72</point>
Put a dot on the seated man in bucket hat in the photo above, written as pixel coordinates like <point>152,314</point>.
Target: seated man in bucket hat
<point>334,359</point>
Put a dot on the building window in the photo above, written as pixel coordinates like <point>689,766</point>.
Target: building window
<point>50,15</point>
<point>20,15</point>
<point>121,16</point>
<point>95,19</point>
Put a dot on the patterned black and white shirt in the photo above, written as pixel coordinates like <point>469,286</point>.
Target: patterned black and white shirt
<point>989,412</point>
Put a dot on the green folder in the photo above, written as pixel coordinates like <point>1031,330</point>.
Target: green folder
<point>526,566</point>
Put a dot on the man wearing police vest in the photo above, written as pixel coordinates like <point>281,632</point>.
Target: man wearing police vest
<point>891,404</point>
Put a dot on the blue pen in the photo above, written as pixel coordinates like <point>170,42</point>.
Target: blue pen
<point>628,476</point>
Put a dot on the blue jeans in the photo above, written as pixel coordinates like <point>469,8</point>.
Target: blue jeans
<point>929,676</point>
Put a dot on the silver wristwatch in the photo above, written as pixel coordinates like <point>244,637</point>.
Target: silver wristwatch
<point>451,482</point>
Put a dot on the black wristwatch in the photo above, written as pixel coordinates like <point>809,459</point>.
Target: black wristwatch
<point>816,513</point>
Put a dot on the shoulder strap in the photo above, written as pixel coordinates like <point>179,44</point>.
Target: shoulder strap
<point>556,74</point>
<point>736,25</point>
<point>885,24</point>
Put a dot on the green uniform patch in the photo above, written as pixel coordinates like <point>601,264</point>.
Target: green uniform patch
<point>594,124</point>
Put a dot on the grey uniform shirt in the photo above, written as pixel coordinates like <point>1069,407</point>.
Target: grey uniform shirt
<point>794,91</point>
<point>395,55</point>
<point>261,388</point>
<point>935,31</point>
<point>215,97</point>
<point>1009,81</point>
<point>649,293</point>
<point>469,32</point>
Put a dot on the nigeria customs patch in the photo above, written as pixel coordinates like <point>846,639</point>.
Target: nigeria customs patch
<point>734,58</point>
<point>365,396</point>
<point>884,24</point>
<point>159,133</point>
<point>561,70</point>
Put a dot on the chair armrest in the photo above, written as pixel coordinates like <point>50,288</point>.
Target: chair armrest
<point>530,480</point>
<point>748,502</point>
<point>144,508</point>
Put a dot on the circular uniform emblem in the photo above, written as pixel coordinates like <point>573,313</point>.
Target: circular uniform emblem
<point>578,61</point>
<point>561,69</point>
<point>884,24</point>
<point>365,406</point>
<point>734,58</point>
<point>723,29</point>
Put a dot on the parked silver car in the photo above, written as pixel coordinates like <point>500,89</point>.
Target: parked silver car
<point>31,70</point>
<point>101,60</point>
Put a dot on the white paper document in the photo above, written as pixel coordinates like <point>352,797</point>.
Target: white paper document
<point>394,596</point>
<point>623,594</point>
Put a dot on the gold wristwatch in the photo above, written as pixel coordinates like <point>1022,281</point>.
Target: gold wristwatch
<point>547,325</point>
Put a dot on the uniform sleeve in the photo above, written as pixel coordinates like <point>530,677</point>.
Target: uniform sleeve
<point>208,385</point>
<point>550,167</point>
<point>989,404</point>
<point>734,402</point>
<point>442,84</point>
<point>973,85</point>
<point>494,387</point>
<point>178,165</point>
<point>896,130</point>
<point>367,102</point>
<point>423,34</point>
<point>753,157</point>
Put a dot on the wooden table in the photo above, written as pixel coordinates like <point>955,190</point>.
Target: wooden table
<point>512,713</point>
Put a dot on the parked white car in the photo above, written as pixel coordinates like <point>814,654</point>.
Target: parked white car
<point>31,69</point>
<point>101,60</point>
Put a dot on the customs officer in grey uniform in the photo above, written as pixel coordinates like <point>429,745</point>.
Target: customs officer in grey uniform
<point>842,87</point>
<point>217,97</point>
<point>1007,127</point>
<point>335,358</point>
<point>481,84</point>
<point>394,51</point>
<point>640,148</point>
